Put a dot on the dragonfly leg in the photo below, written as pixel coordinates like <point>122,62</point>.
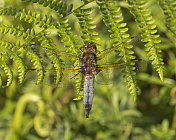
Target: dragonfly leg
<point>97,71</point>
<point>82,71</point>
<point>81,49</point>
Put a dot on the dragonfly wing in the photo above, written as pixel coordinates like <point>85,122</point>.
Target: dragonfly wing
<point>113,73</point>
<point>106,74</point>
<point>56,78</point>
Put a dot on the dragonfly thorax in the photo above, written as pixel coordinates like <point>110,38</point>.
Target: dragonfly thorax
<point>89,59</point>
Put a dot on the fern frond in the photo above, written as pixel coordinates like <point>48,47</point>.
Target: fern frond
<point>38,64</point>
<point>148,28</point>
<point>71,44</point>
<point>169,9</point>
<point>58,6</point>
<point>112,18</point>
<point>49,48</point>
<point>86,25</point>
<point>36,18</point>
<point>13,48</point>
<point>8,73</point>
<point>7,70</point>
<point>10,46</point>
<point>21,67</point>
<point>68,38</point>
<point>18,31</point>
<point>15,55</point>
<point>8,11</point>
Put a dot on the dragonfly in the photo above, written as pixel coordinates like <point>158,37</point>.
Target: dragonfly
<point>90,69</point>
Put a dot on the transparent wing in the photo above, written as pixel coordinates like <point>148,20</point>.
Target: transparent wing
<point>113,73</point>
<point>57,78</point>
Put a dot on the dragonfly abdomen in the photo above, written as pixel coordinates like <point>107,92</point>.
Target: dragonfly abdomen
<point>88,93</point>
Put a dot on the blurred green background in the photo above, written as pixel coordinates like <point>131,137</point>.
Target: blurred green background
<point>41,112</point>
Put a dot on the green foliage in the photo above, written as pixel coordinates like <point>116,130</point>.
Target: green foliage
<point>37,62</point>
<point>8,11</point>
<point>19,31</point>
<point>47,34</point>
<point>148,30</point>
<point>112,17</point>
<point>159,132</point>
<point>86,26</point>
<point>68,38</point>
<point>169,9</point>
<point>59,6</point>
<point>7,71</point>
<point>55,59</point>
<point>13,55</point>
<point>34,17</point>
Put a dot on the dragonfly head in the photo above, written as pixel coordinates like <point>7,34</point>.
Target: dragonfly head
<point>90,48</point>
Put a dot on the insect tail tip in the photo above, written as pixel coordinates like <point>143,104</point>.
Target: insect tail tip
<point>87,115</point>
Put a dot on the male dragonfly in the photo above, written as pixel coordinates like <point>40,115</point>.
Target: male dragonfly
<point>90,69</point>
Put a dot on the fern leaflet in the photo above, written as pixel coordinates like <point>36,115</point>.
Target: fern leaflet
<point>169,9</point>
<point>112,17</point>
<point>148,28</point>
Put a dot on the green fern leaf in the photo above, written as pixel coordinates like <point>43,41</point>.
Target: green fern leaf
<point>68,38</point>
<point>148,28</point>
<point>8,73</point>
<point>71,44</point>
<point>18,31</point>
<point>21,67</point>
<point>49,48</point>
<point>38,64</point>
<point>169,9</point>
<point>37,19</point>
<point>7,70</point>
<point>86,26</point>
<point>112,18</point>
<point>14,54</point>
<point>8,11</point>
<point>59,6</point>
